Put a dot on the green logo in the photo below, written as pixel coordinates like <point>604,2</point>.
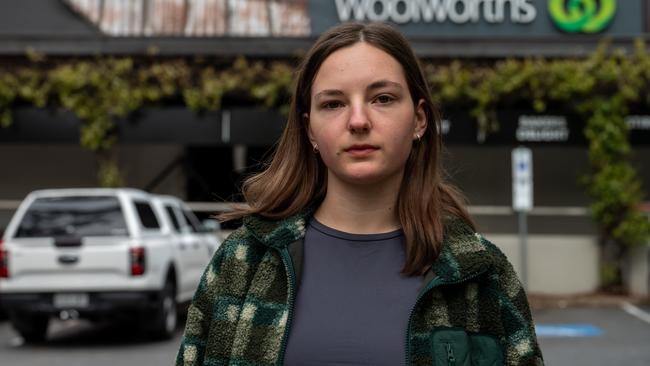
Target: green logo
<point>584,16</point>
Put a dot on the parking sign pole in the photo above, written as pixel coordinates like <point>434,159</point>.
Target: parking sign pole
<point>522,201</point>
<point>523,247</point>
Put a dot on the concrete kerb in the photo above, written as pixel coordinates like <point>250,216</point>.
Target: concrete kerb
<point>540,302</point>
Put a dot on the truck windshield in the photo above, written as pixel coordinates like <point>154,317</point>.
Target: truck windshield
<point>73,216</point>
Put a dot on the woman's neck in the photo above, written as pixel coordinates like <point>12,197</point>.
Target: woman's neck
<point>365,209</point>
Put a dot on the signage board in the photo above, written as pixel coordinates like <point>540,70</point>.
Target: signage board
<point>522,179</point>
<point>525,126</point>
<point>416,18</point>
<point>485,18</point>
<point>639,127</point>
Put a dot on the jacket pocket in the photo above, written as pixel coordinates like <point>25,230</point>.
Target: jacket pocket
<point>450,347</point>
<point>454,347</point>
<point>485,350</point>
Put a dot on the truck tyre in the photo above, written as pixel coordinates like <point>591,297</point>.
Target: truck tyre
<point>165,315</point>
<point>33,328</point>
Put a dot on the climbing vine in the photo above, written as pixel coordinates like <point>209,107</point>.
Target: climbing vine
<point>600,88</point>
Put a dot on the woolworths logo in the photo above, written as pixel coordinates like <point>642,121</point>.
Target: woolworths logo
<point>583,16</point>
<point>438,11</point>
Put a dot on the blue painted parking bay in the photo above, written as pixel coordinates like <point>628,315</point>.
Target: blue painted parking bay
<point>567,330</point>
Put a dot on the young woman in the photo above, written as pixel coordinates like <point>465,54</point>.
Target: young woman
<point>354,251</point>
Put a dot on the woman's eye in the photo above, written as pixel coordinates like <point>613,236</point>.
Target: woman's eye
<point>384,99</point>
<point>332,105</point>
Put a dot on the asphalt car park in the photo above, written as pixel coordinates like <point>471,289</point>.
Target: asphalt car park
<point>81,343</point>
<point>595,336</point>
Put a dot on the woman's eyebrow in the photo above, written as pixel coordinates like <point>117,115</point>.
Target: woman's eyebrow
<point>328,93</point>
<point>373,86</point>
<point>383,83</point>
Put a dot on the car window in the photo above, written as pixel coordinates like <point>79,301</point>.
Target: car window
<point>192,220</point>
<point>172,216</point>
<point>73,216</point>
<point>147,217</point>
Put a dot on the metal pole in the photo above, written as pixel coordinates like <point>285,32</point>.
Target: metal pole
<point>523,248</point>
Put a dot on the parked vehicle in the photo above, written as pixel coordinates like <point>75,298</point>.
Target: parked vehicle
<point>101,253</point>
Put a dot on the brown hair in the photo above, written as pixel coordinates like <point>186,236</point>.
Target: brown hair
<point>295,178</point>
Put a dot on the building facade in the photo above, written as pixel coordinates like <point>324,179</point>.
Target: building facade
<point>202,157</point>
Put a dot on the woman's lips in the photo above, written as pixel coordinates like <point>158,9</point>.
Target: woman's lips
<point>361,150</point>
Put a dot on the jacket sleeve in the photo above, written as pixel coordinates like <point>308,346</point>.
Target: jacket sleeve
<point>521,347</point>
<point>205,303</point>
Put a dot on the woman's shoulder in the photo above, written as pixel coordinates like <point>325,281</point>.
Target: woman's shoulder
<point>237,245</point>
<point>257,234</point>
<point>468,249</point>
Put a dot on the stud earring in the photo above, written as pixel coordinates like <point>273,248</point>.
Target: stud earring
<point>417,137</point>
<point>315,148</point>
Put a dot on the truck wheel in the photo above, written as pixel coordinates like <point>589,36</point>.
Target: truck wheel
<point>33,328</point>
<point>165,316</point>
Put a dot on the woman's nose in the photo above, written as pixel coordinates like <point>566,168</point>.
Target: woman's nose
<point>359,121</point>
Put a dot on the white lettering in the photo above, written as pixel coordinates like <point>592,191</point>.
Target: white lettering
<point>431,9</point>
<point>406,14</point>
<point>542,128</point>
<point>499,12</point>
<point>527,12</point>
<point>345,8</point>
<point>488,12</point>
<point>371,10</point>
<point>456,15</point>
<point>638,122</point>
<point>456,11</point>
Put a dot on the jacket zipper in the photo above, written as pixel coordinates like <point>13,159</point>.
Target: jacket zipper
<point>436,281</point>
<point>451,359</point>
<point>288,265</point>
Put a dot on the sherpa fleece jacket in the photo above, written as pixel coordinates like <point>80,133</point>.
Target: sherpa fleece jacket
<point>471,309</point>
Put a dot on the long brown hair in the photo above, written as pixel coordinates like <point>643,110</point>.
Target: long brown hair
<point>295,178</point>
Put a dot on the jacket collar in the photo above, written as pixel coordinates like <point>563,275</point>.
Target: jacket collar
<point>278,234</point>
<point>464,253</point>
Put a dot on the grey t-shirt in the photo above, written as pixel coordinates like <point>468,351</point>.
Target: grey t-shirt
<point>353,304</point>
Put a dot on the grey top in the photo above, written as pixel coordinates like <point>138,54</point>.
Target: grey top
<point>352,306</point>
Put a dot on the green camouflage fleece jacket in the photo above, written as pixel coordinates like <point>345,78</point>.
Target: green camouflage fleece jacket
<point>470,311</point>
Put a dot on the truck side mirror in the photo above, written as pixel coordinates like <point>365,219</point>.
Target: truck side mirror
<point>210,225</point>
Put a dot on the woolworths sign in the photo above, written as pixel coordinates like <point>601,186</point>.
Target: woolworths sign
<point>438,11</point>
<point>432,18</point>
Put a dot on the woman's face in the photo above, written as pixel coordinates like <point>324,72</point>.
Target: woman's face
<point>362,115</point>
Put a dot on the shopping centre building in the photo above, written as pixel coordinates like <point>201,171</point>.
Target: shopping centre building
<point>202,156</point>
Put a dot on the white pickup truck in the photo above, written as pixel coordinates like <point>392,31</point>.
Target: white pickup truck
<point>101,253</point>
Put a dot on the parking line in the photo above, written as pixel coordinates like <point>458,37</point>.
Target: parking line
<point>567,330</point>
<point>635,311</point>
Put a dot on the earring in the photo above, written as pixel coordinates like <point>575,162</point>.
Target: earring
<point>315,148</point>
<point>417,137</point>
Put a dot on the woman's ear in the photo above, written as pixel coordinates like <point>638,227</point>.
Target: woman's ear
<point>310,134</point>
<point>421,122</point>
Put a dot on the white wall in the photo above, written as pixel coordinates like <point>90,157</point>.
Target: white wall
<point>557,264</point>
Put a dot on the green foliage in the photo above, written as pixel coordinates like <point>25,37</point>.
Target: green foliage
<point>109,174</point>
<point>260,84</point>
<point>609,274</point>
<point>600,89</point>
<point>8,86</point>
